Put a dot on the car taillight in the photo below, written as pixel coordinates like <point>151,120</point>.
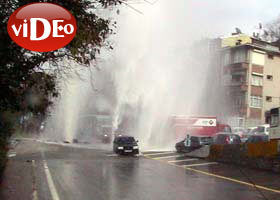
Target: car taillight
<point>227,140</point>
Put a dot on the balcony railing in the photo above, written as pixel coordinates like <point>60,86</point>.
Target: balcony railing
<point>241,65</point>
<point>236,83</point>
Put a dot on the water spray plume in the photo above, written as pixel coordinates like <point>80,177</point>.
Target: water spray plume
<point>159,67</point>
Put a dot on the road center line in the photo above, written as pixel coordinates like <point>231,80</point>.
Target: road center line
<point>200,164</point>
<point>175,161</point>
<point>112,155</point>
<point>34,186</point>
<point>50,181</point>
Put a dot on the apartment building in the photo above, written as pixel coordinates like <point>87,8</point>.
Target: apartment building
<point>250,74</point>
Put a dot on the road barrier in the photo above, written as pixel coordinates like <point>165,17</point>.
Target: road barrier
<point>263,149</point>
<point>263,155</point>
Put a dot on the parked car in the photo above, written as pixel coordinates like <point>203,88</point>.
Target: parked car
<point>236,130</point>
<point>224,128</point>
<point>257,138</point>
<point>226,138</point>
<point>248,132</point>
<point>195,143</point>
<point>125,145</point>
<point>239,131</point>
<point>263,129</point>
<point>250,129</point>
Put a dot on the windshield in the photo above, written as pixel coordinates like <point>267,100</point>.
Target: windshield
<point>126,140</point>
<point>253,131</point>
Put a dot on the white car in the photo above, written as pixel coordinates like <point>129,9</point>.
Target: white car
<point>239,131</point>
<point>263,129</point>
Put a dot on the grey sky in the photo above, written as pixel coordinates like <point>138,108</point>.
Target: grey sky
<point>206,17</point>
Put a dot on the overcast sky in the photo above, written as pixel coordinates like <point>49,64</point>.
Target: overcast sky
<point>204,17</point>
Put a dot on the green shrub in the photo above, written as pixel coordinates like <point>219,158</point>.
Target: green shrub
<point>3,155</point>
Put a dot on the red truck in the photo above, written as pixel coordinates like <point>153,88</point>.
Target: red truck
<point>196,126</point>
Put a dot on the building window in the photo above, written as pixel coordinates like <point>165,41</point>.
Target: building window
<point>227,58</point>
<point>239,100</point>
<point>239,56</point>
<point>258,58</point>
<point>257,80</point>
<point>269,77</point>
<point>256,102</point>
<point>268,98</point>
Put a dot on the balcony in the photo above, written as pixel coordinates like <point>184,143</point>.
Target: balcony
<point>244,87</point>
<point>242,84</point>
<point>238,66</point>
<point>236,83</point>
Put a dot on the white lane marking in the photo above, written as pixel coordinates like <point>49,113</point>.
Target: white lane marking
<point>34,194</point>
<point>116,155</point>
<point>50,182</point>
<point>112,155</point>
<point>200,164</point>
<point>191,159</point>
<point>160,153</point>
<point>165,157</point>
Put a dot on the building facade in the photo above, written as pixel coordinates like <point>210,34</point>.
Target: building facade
<point>250,75</point>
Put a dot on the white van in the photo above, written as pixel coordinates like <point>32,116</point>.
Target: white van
<point>263,129</point>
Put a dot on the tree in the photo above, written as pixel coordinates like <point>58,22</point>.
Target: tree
<point>21,70</point>
<point>25,85</point>
<point>270,31</point>
<point>273,29</point>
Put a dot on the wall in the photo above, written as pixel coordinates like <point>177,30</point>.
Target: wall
<point>257,62</point>
<point>271,87</point>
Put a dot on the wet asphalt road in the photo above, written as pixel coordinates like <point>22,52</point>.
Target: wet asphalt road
<point>53,172</point>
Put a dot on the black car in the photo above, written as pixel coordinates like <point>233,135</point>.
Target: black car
<point>226,138</point>
<point>125,145</point>
<point>195,143</point>
<point>257,138</point>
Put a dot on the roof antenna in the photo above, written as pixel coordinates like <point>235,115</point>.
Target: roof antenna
<point>238,31</point>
